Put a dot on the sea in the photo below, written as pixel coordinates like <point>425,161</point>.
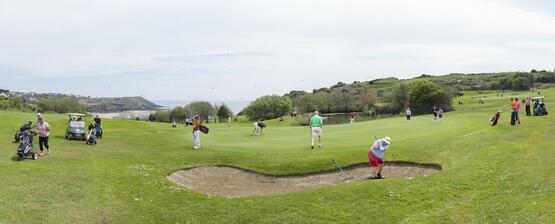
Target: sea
<point>235,106</point>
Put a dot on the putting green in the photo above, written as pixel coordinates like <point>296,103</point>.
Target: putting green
<point>489,174</point>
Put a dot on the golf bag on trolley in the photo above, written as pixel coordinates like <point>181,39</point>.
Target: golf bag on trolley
<point>513,117</point>
<point>25,127</point>
<point>25,148</point>
<point>98,130</point>
<point>91,136</point>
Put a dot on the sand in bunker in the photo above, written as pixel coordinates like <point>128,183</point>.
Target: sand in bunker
<point>235,182</point>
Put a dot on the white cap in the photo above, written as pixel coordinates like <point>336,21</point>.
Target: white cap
<point>387,140</point>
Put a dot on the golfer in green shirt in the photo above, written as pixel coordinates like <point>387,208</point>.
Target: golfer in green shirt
<point>316,123</point>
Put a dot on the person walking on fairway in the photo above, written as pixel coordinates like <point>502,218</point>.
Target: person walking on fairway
<point>43,129</point>
<point>196,132</point>
<point>376,155</point>
<point>316,124</point>
<point>353,116</point>
<point>408,112</point>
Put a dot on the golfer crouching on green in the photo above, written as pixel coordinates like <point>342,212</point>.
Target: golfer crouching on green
<point>376,154</point>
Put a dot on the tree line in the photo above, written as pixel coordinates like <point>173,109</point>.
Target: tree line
<point>56,105</point>
<point>420,95</point>
<point>205,110</point>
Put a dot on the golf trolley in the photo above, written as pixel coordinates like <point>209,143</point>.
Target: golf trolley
<point>539,106</point>
<point>25,127</point>
<point>25,148</point>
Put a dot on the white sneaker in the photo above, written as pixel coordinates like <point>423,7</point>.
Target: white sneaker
<point>48,152</point>
<point>41,153</point>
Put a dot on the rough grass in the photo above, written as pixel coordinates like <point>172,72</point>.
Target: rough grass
<point>498,174</point>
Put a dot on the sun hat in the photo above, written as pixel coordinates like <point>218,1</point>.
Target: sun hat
<point>316,112</point>
<point>387,140</point>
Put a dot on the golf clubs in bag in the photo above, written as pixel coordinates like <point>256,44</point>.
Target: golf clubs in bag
<point>513,117</point>
<point>98,130</point>
<point>25,148</point>
<point>91,136</point>
<point>25,127</point>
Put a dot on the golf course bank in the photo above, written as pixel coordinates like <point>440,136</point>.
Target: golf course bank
<point>489,174</point>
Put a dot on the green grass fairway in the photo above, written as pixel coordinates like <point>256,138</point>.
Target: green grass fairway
<point>490,174</point>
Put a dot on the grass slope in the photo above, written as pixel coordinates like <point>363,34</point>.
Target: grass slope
<point>490,174</point>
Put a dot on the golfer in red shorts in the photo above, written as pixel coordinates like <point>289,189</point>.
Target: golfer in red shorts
<point>376,154</point>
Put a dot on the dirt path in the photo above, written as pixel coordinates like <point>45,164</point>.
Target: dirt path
<point>235,182</point>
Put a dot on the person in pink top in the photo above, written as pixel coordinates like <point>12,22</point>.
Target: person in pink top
<point>516,110</point>
<point>43,129</point>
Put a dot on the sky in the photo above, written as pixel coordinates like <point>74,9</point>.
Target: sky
<point>238,50</point>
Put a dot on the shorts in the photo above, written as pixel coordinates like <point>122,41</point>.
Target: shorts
<point>316,131</point>
<point>374,161</point>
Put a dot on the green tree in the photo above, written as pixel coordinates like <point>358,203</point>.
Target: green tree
<point>368,98</point>
<point>305,103</point>
<point>268,107</point>
<point>399,96</point>
<point>342,100</point>
<point>224,112</point>
<point>61,105</point>
<point>424,94</point>
<point>322,101</point>
<point>201,108</point>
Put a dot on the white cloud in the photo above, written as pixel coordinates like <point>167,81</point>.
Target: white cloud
<point>243,49</point>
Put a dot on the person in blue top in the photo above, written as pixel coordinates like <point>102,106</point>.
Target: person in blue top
<point>376,155</point>
<point>316,124</point>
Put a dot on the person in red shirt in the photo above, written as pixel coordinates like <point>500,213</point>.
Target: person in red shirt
<point>353,116</point>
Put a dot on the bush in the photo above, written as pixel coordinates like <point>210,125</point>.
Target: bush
<point>61,105</point>
<point>201,108</point>
<point>424,95</point>
<point>399,96</point>
<point>224,112</point>
<point>268,107</point>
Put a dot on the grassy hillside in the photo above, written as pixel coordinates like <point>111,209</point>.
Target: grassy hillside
<point>501,174</point>
<point>455,83</point>
<point>117,104</point>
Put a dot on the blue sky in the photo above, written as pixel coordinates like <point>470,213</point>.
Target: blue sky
<point>239,50</point>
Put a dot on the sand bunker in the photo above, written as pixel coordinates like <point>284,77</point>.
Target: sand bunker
<point>236,182</point>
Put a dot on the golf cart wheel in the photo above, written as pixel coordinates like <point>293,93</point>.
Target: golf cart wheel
<point>19,157</point>
<point>35,156</point>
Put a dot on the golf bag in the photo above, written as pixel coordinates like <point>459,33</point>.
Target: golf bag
<point>91,137</point>
<point>204,129</point>
<point>494,119</point>
<point>513,117</point>
<point>98,130</point>
<point>540,110</point>
<point>25,148</point>
<point>25,127</point>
